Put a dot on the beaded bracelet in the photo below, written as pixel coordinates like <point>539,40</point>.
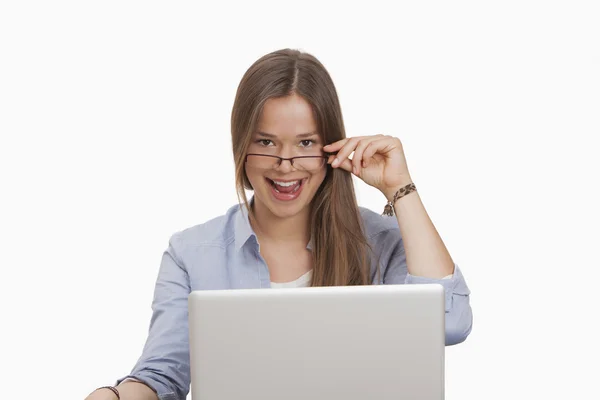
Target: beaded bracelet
<point>113,389</point>
<point>389,207</point>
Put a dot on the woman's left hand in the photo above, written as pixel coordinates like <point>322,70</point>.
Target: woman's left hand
<point>378,160</point>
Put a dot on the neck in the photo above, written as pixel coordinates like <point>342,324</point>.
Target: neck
<point>275,229</point>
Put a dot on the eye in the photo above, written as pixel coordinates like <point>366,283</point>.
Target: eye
<point>264,142</point>
<point>307,142</point>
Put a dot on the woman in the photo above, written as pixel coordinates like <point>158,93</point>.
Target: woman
<point>302,225</point>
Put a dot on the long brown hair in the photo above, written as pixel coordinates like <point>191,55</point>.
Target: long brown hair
<point>341,253</point>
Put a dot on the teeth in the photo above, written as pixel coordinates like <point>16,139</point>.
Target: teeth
<point>286,184</point>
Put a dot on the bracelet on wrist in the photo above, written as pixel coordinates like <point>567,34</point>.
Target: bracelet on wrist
<point>112,389</point>
<point>403,191</point>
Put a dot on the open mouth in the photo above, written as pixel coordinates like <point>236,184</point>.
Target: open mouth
<point>286,187</point>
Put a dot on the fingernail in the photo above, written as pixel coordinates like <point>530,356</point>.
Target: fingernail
<point>335,162</point>
<point>355,170</point>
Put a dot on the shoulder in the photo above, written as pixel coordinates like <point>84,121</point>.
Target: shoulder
<point>216,232</point>
<point>377,225</point>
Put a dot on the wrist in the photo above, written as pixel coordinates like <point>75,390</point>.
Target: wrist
<point>391,191</point>
<point>108,392</point>
<point>398,194</point>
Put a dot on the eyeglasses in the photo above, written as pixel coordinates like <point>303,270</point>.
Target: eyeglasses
<point>302,163</point>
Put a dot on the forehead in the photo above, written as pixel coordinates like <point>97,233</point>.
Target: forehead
<point>287,116</point>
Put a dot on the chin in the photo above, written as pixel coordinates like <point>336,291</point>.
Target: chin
<point>281,213</point>
<point>285,210</point>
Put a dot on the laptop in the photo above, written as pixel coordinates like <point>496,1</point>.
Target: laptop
<point>351,343</point>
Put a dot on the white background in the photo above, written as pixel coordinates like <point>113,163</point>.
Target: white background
<point>115,121</point>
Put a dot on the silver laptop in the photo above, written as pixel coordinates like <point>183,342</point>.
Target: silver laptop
<point>351,343</point>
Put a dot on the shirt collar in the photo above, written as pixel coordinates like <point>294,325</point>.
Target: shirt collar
<point>309,245</point>
<point>244,231</point>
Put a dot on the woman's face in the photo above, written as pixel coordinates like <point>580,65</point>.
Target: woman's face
<point>286,129</point>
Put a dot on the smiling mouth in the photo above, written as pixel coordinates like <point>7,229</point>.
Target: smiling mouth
<point>286,186</point>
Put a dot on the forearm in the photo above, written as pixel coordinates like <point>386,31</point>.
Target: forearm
<point>136,391</point>
<point>127,390</point>
<point>426,254</point>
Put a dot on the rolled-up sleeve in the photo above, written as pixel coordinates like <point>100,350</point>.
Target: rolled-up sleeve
<point>165,362</point>
<point>459,316</point>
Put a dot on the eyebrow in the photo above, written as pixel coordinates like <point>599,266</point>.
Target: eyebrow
<point>301,135</point>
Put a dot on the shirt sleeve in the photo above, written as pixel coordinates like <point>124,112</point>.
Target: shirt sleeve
<point>164,365</point>
<point>459,316</point>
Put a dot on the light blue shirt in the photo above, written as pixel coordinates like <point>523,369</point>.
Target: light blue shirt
<point>223,253</point>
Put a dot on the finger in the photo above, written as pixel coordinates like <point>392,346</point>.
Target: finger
<point>346,165</point>
<point>380,145</point>
<point>335,146</point>
<point>345,151</point>
<point>357,158</point>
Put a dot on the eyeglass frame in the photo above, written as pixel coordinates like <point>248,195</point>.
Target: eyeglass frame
<point>291,159</point>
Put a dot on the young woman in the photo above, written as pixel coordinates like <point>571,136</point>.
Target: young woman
<point>301,227</point>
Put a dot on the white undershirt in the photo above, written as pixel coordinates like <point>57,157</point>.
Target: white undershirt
<point>303,281</point>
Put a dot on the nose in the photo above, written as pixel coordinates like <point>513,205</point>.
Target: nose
<point>285,166</point>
